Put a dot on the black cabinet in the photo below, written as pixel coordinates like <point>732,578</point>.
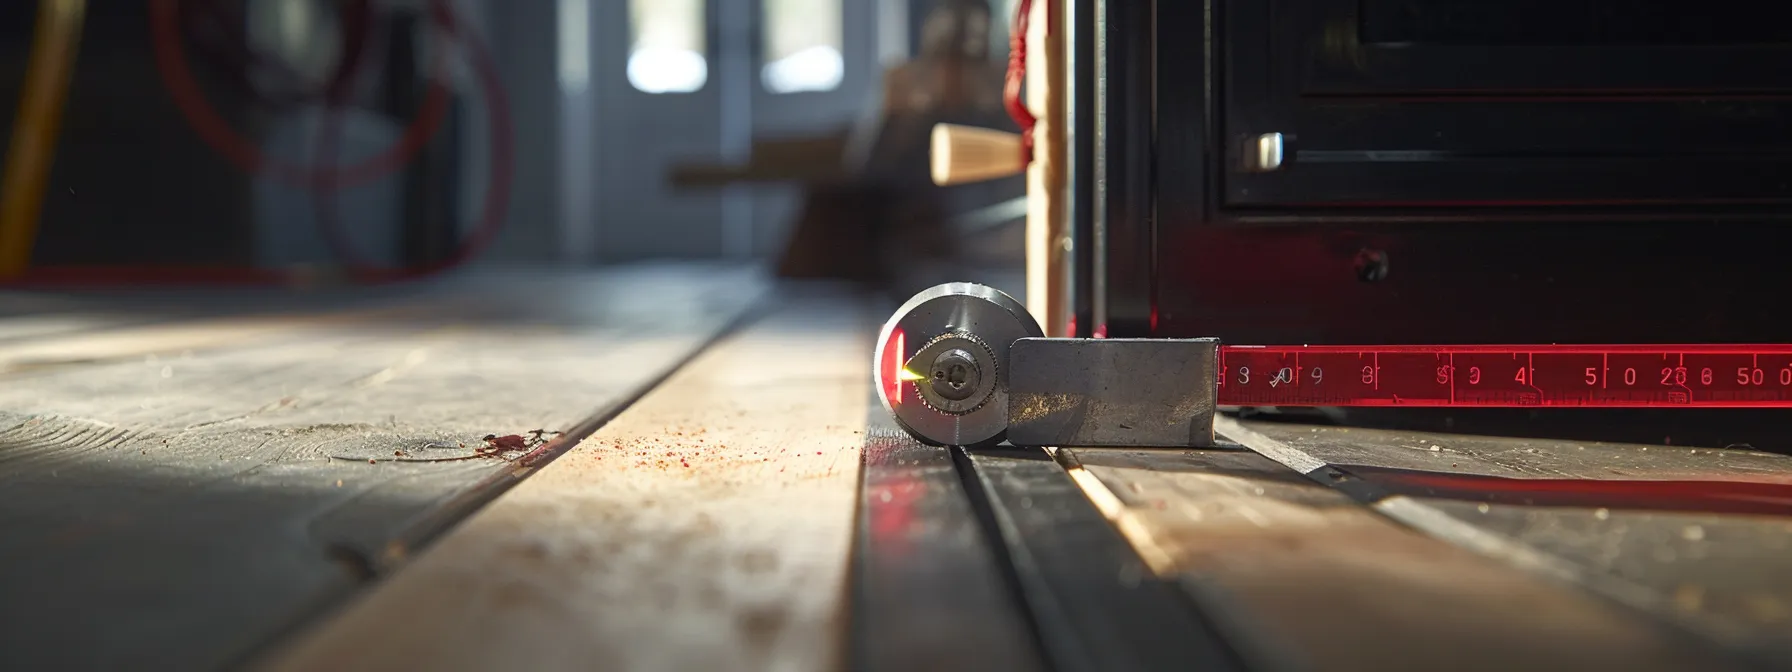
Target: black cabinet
<point>1447,171</point>
<point>1489,102</point>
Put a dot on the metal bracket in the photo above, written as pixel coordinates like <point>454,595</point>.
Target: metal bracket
<point>1112,392</point>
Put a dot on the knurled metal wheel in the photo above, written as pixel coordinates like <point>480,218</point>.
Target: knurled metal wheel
<point>951,341</point>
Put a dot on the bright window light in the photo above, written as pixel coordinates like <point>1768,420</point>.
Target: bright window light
<point>667,46</point>
<point>802,46</point>
<point>812,69</point>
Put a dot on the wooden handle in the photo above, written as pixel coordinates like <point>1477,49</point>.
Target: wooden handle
<point>965,154</point>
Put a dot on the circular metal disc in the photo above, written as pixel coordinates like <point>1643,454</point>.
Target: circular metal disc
<point>985,313</point>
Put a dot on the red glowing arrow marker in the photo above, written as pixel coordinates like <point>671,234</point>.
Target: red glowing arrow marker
<point>894,354</point>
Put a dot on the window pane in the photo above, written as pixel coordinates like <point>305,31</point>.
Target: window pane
<point>575,46</point>
<point>667,46</point>
<point>802,46</point>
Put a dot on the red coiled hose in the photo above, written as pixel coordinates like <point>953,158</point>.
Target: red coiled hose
<point>1017,77</point>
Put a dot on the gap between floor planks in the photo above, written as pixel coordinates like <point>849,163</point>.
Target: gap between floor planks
<point>707,527</point>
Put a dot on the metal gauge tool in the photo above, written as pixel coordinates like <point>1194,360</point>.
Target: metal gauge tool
<point>965,364</point>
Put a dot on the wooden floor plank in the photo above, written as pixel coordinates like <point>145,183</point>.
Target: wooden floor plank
<point>190,508</point>
<point>1697,536</point>
<point>1303,577</point>
<point>25,327</point>
<point>707,527</point>
<point>82,322</point>
<point>183,336</point>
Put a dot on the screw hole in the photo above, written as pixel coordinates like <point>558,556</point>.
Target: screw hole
<point>1371,265</point>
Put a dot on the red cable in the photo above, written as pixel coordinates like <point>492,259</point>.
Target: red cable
<point>1017,77</point>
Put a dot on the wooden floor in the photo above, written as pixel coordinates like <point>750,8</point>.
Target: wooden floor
<point>186,485</point>
<point>714,520</point>
<point>1694,536</point>
<point>1307,563</point>
<point>224,480</point>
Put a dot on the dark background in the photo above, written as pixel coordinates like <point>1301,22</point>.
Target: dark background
<point>132,184</point>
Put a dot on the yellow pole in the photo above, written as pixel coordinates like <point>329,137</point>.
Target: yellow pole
<point>33,147</point>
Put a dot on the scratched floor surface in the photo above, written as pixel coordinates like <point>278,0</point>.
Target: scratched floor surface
<point>184,477</point>
<point>707,527</point>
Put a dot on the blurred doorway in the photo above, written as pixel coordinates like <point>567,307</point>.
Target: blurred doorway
<point>676,81</point>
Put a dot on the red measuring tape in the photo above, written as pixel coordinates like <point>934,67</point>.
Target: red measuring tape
<point>1679,376</point>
